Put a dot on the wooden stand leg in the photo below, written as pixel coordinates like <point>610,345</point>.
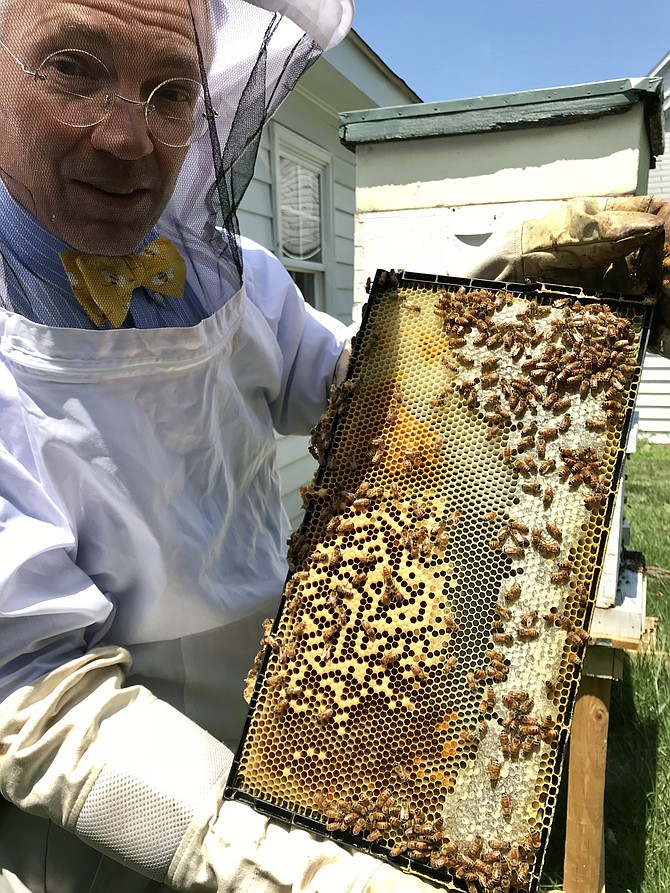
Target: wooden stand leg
<point>583,870</point>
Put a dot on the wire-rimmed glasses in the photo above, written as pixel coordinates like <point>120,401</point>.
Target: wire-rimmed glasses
<point>78,86</point>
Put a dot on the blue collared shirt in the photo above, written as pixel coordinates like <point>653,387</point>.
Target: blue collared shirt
<point>38,288</point>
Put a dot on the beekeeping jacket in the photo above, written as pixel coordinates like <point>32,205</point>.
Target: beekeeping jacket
<point>142,533</point>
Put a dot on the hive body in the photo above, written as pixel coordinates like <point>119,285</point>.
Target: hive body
<point>416,690</point>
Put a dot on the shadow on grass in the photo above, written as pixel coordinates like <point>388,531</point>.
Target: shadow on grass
<point>629,787</point>
<point>630,781</point>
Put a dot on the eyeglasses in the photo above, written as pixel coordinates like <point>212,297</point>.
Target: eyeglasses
<point>78,86</point>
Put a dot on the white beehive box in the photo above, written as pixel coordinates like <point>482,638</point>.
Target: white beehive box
<point>435,182</point>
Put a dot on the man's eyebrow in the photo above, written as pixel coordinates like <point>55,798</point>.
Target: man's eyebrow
<point>179,62</point>
<point>72,28</point>
<point>82,32</point>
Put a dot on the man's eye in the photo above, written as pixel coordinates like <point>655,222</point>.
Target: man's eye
<point>73,71</point>
<point>175,93</point>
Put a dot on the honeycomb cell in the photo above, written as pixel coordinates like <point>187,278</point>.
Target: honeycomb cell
<point>441,585</point>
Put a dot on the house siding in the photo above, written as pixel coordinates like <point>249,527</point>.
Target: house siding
<point>653,401</point>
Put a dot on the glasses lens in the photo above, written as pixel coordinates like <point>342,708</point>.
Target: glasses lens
<point>176,112</point>
<point>78,86</point>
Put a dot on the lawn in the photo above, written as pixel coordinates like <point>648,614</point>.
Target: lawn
<point>637,795</point>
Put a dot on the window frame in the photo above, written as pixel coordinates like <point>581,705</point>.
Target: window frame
<point>293,147</point>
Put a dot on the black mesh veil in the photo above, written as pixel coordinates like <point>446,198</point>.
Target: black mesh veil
<point>246,54</point>
<point>261,50</point>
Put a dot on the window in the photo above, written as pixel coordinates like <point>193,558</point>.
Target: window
<point>302,212</point>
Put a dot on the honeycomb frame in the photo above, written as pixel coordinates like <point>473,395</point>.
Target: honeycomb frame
<point>414,695</point>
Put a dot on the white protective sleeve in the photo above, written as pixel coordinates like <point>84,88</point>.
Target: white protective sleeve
<point>143,784</point>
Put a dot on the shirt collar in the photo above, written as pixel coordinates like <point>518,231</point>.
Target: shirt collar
<point>35,246</point>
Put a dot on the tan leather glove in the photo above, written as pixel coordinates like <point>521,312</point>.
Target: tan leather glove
<point>138,781</point>
<point>614,244</point>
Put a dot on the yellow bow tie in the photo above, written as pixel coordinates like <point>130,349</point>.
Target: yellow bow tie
<point>104,285</point>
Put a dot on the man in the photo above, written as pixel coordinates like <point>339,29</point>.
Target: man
<point>145,517</point>
<point>141,532</point>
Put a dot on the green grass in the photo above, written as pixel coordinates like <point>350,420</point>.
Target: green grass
<point>637,795</point>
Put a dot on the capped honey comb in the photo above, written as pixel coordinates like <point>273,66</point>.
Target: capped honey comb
<point>414,695</point>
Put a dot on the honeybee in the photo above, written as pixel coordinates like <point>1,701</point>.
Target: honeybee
<point>523,874</point>
<point>531,487</point>
<point>491,654</point>
<point>325,716</point>
<point>490,380</point>
<point>529,618</point>
<point>527,632</point>
<point>506,806</point>
<point>551,686</point>
<point>494,771</point>
<point>560,576</point>
<point>490,516</point>
<point>501,845</point>
<point>514,550</point>
<point>332,524</point>
<point>554,530</point>
<point>503,638</point>
<point>551,548</point>
<point>369,630</point>
<point>513,592</point>
<point>561,405</point>
<point>408,305</point>
<point>548,496</point>
<point>468,736</point>
<point>282,707</point>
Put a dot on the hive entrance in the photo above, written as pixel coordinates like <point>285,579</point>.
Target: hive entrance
<point>417,686</point>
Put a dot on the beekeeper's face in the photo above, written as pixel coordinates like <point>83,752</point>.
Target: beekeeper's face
<point>97,174</point>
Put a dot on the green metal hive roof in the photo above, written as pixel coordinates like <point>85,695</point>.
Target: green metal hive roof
<point>508,111</point>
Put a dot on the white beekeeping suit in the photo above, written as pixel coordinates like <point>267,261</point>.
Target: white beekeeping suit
<point>141,532</point>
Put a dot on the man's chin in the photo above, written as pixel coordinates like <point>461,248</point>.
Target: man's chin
<point>101,237</point>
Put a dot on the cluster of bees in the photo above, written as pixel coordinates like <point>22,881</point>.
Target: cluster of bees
<point>494,865</point>
<point>550,383</point>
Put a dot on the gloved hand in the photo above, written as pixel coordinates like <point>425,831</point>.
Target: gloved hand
<point>137,780</point>
<point>613,244</point>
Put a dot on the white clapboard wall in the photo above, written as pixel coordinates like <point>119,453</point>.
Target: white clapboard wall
<point>653,401</point>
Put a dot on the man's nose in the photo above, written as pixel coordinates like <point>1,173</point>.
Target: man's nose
<point>123,131</point>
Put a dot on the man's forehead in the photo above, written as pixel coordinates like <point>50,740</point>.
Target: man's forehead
<point>156,23</point>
